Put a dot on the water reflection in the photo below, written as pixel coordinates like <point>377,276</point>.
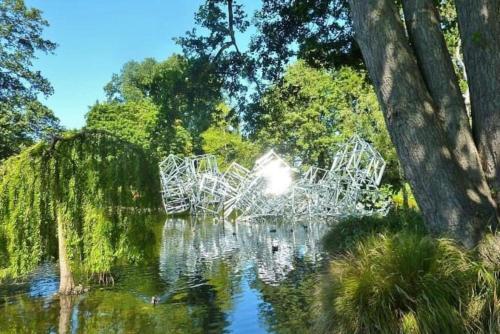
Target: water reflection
<point>189,247</point>
<point>210,276</point>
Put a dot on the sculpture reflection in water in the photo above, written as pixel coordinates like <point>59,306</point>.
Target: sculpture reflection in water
<point>350,187</point>
<point>190,248</point>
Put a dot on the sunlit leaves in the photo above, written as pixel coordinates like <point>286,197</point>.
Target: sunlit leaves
<point>91,182</point>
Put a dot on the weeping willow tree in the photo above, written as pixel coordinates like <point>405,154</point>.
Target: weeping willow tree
<point>80,199</point>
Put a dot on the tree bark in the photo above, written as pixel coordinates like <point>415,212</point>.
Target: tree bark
<point>450,201</point>
<point>479,23</point>
<point>435,63</point>
<point>66,281</point>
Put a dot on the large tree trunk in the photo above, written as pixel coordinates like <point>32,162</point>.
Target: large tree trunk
<point>451,202</point>
<point>479,23</point>
<point>66,282</point>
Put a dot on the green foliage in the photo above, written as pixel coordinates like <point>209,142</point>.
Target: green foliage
<point>225,142</point>
<point>91,182</point>
<point>229,146</point>
<point>449,24</point>
<point>20,39</point>
<point>23,120</point>
<point>399,198</point>
<point>21,127</point>
<point>318,32</point>
<point>402,283</point>
<point>311,110</point>
<point>174,100</point>
<point>215,46</point>
<point>483,310</point>
<point>180,88</point>
<point>345,234</point>
<point>131,121</point>
<point>137,121</point>
<point>179,140</point>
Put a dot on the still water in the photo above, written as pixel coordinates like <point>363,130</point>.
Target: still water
<point>210,277</point>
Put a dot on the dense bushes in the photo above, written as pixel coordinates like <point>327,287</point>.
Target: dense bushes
<point>390,277</point>
<point>345,234</point>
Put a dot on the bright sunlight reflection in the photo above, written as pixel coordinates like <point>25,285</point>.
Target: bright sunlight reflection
<point>278,177</point>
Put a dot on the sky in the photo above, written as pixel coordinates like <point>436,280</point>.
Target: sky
<point>96,37</point>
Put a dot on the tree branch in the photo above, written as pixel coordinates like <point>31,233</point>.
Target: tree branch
<point>231,25</point>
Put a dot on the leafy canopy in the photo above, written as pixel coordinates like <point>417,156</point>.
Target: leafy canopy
<point>23,127</point>
<point>20,38</point>
<point>180,88</point>
<point>311,110</point>
<point>23,120</point>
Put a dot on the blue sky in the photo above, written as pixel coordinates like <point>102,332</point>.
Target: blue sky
<point>96,37</point>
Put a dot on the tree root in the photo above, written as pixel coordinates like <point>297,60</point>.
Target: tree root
<point>77,290</point>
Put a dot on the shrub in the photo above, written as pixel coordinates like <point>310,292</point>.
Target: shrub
<point>483,310</point>
<point>399,283</point>
<point>398,198</point>
<point>345,234</point>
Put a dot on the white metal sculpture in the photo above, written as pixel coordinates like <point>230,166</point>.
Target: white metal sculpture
<point>274,189</point>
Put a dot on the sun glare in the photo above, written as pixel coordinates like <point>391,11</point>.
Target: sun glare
<point>278,177</point>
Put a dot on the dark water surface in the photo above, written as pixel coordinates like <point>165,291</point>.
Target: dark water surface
<point>210,277</point>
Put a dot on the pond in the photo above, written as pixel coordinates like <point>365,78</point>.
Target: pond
<point>209,277</point>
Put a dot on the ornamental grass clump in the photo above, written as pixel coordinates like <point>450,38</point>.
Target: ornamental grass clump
<point>483,310</point>
<point>400,283</point>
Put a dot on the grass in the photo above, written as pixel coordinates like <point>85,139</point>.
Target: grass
<point>388,276</point>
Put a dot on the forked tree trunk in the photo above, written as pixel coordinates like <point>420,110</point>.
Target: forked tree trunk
<point>66,281</point>
<point>451,199</point>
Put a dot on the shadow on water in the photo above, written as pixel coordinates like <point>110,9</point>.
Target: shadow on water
<point>209,276</point>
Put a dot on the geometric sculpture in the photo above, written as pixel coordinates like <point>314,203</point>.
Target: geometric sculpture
<point>274,189</point>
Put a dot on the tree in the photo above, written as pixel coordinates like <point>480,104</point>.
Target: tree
<point>229,146</point>
<point>133,121</point>
<point>425,111</point>
<point>138,122</point>
<point>23,119</point>
<point>311,110</point>
<point>419,93</point>
<point>224,140</point>
<point>86,189</point>
<point>217,51</point>
<point>22,127</point>
<point>179,87</point>
<point>20,38</point>
<point>317,31</point>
